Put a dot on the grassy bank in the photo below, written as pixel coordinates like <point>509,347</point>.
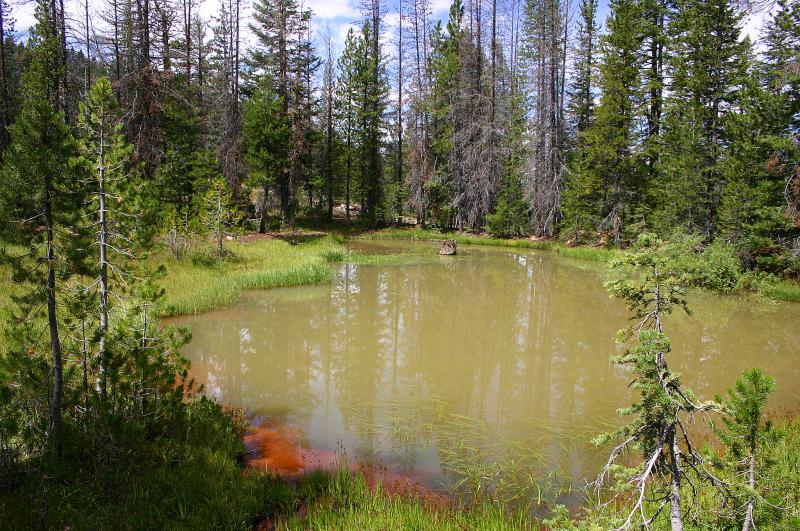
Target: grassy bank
<point>342,500</point>
<point>188,476</point>
<point>767,285</point>
<point>195,284</point>
<point>596,254</point>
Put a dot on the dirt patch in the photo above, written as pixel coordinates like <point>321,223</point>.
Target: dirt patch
<point>300,236</point>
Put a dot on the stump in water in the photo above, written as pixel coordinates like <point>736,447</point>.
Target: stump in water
<point>448,248</point>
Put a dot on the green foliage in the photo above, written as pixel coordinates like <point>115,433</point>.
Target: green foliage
<point>267,140</point>
<point>610,174</point>
<point>652,281</point>
<point>347,502</point>
<point>511,215</point>
<point>180,471</point>
<point>216,215</point>
<point>744,419</point>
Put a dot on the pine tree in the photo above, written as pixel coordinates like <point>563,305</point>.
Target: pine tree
<point>654,40</point>
<point>652,279</point>
<point>580,200</point>
<point>112,187</point>
<point>543,54</point>
<point>42,197</point>
<point>747,431</point>
<point>707,66</point>
<point>282,55</point>
<point>608,186</point>
<point>266,139</point>
<point>216,214</point>
<point>781,70</point>
<point>371,93</point>
<point>581,105</point>
<point>347,112</point>
<point>761,160</point>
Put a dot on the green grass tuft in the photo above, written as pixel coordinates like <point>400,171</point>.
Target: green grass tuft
<point>342,500</point>
<point>194,287</point>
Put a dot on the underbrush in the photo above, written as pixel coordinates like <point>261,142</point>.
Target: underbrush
<point>180,473</point>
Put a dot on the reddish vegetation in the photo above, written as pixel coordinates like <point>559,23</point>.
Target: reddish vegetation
<point>278,449</point>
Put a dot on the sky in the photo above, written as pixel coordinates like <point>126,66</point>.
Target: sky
<point>334,16</point>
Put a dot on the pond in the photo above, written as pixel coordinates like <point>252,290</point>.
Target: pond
<point>491,366</point>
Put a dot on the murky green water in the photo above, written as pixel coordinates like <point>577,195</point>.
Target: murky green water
<point>493,363</point>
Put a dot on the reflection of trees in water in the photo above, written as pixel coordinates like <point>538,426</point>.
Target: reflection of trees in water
<point>487,338</point>
<point>517,342</point>
<point>358,363</point>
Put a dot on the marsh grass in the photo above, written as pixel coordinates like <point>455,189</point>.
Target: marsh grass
<point>343,500</point>
<point>481,465</point>
<point>195,287</point>
<point>782,289</point>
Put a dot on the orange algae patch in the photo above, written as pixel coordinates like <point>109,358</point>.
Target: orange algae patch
<point>278,449</point>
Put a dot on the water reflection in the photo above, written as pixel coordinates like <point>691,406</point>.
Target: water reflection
<point>492,362</point>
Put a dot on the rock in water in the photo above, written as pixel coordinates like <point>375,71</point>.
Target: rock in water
<point>448,248</point>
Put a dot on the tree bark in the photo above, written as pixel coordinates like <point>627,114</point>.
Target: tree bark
<point>262,225</point>
<point>751,482</point>
<point>102,377</point>
<point>52,318</point>
<point>675,517</point>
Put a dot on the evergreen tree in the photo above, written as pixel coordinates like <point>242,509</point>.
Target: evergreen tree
<point>347,112</point>
<point>581,105</point>
<point>652,280</point>
<point>580,199</point>
<point>761,160</point>
<point>282,55</point>
<point>42,198</point>
<point>655,14</point>
<point>781,68</point>
<point>266,138</point>
<point>216,214</point>
<point>117,214</point>
<point>707,67</point>
<point>747,432</point>
<point>608,187</point>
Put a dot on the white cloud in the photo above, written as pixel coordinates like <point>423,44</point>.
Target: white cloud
<point>332,9</point>
<point>439,7</point>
